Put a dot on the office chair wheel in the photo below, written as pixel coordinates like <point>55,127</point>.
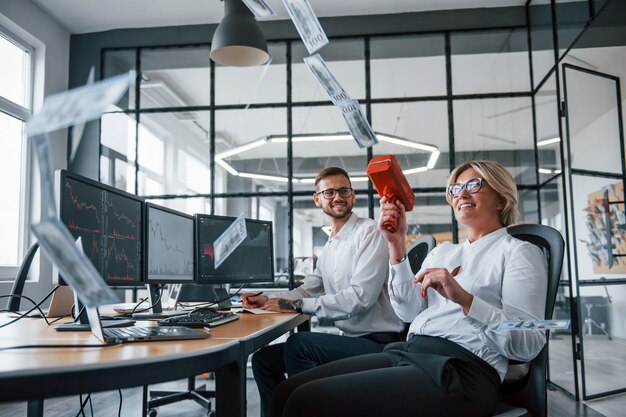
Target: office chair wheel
<point>211,413</point>
<point>152,412</point>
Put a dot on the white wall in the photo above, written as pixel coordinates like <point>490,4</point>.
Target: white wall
<point>51,61</point>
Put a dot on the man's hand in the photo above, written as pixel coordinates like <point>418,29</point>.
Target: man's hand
<point>279,304</point>
<point>253,300</point>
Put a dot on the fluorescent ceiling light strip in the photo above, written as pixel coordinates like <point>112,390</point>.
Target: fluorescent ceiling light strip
<point>415,170</point>
<point>227,167</point>
<point>318,138</point>
<point>548,142</point>
<point>404,142</point>
<point>433,159</point>
<point>263,177</point>
<point>241,149</point>
<point>548,171</point>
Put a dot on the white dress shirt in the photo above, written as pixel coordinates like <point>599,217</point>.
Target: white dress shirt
<point>508,278</point>
<point>348,284</point>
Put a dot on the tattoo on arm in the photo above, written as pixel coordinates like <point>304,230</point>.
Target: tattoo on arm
<point>285,304</point>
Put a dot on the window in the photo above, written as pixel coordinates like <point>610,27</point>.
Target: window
<point>15,98</point>
<point>217,137</point>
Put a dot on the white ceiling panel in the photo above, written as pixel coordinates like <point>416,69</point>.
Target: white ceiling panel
<point>85,16</point>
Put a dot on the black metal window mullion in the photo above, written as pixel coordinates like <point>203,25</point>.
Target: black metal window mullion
<point>212,134</point>
<point>137,114</point>
<point>531,76</point>
<point>451,151</point>
<point>368,113</point>
<point>290,208</point>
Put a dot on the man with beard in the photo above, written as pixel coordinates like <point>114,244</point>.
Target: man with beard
<point>348,286</point>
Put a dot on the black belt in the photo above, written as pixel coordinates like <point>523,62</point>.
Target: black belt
<point>383,337</point>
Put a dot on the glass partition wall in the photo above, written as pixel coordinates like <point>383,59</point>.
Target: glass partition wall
<point>203,138</point>
<point>252,140</point>
<point>579,140</point>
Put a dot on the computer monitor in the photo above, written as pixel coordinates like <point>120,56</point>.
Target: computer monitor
<point>169,243</point>
<point>251,262</point>
<point>110,224</point>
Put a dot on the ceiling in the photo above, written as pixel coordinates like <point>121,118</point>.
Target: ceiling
<point>80,16</point>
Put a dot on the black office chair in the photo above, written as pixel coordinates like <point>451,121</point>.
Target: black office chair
<point>417,252</point>
<point>524,391</point>
<point>22,274</point>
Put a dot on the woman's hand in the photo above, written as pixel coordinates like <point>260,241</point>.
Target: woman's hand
<point>445,284</point>
<point>395,214</point>
<point>252,300</point>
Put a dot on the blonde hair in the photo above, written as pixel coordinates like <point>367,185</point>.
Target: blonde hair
<point>499,179</point>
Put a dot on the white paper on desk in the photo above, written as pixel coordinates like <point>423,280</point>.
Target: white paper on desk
<point>75,267</point>
<point>326,79</point>
<point>78,105</point>
<point>229,240</point>
<point>534,325</point>
<point>259,311</point>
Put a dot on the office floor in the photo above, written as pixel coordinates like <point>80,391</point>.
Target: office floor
<point>106,405</point>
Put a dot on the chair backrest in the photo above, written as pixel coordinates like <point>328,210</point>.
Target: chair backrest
<point>530,392</point>
<point>550,241</point>
<point>417,252</point>
<point>18,285</point>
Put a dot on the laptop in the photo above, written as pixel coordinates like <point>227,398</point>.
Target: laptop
<point>138,334</point>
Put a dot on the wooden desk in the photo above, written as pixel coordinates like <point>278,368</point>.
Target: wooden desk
<point>35,374</point>
<point>253,331</point>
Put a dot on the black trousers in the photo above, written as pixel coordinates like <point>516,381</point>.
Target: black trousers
<point>426,376</point>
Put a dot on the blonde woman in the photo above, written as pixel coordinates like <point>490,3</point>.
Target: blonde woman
<point>455,357</point>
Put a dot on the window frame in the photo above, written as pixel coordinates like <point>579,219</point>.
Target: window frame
<point>22,113</point>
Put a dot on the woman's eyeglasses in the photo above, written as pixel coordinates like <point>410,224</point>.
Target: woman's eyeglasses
<point>329,193</point>
<point>472,186</point>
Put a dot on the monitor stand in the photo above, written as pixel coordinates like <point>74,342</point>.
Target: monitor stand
<point>222,296</point>
<point>81,323</point>
<point>156,311</point>
<point>153,298</point>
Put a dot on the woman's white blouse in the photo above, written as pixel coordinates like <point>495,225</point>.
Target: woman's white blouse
<point>508,278</point>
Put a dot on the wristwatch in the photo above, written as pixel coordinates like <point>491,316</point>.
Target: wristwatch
<point>297,305</point>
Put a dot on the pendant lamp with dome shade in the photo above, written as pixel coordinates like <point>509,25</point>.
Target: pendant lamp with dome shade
<point>238,40</point>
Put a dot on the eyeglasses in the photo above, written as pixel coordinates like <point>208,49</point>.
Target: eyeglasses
<point>329,193</point>
<point>472,186</point>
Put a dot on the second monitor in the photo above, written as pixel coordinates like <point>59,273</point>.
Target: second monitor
<point>169,246</point>
<point>251,262</point>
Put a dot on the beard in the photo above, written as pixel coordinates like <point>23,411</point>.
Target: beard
<point>339,211</point>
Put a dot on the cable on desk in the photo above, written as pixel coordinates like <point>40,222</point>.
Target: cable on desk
<point>58,346</point>
<point>36,307</point>
<point>157,301</point>
<point>210,303</point>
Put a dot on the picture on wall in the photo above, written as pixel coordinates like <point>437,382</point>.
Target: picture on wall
<point>606,225</point>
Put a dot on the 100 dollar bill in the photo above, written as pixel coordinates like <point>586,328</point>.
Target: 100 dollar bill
<point>306,24</point>
<point>327,80</point>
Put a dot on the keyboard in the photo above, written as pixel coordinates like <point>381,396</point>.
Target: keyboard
<point>200,318</point>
